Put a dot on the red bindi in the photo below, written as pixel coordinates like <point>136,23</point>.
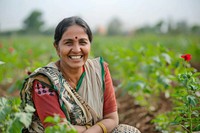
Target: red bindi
<point>76,37</point>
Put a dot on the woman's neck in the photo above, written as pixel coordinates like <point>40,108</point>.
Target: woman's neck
<point>72,75</point>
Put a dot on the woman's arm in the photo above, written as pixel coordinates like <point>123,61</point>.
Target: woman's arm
<point>46,102</point>
<point>110,121</point>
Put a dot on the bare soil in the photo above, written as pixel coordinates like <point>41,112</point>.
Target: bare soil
<point>138,116</point>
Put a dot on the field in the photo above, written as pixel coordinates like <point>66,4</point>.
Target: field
<point>147,72</point>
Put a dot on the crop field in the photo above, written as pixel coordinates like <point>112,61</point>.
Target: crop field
<point>147,67</point>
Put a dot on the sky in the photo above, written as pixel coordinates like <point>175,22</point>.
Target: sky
<point>132,13</point>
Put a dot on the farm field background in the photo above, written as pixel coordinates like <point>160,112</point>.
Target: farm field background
<point>25,53</point>
<point>143,67</point>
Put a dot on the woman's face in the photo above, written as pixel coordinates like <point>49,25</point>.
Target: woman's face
<point>74,47</point>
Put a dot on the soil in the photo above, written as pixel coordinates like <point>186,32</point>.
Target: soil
<point>135,115</point>
<point>196,65</point>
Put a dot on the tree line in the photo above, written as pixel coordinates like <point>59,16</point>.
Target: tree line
<point>34,23</point>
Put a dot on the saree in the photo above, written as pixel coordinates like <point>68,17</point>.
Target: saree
<point>83,106</point>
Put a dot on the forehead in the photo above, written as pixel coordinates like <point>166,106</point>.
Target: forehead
<point>75,31</point>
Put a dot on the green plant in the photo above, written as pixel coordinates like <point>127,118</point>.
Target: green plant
<point>58,125</point>
<point>144,71</point>
<point>1,62</point>
<point>185,114</point>
<point>162,123</point>
<point>187,98</point>
<point>12,119</point>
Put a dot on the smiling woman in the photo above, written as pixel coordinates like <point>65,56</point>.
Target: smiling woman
<point>73,48</point>
<point>74,87</point>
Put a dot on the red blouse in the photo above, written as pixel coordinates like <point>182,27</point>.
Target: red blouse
<point>47,104</point>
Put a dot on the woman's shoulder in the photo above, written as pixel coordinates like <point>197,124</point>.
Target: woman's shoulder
<point>44,73</point>
<point>98,60</point>
<point>45,69</point>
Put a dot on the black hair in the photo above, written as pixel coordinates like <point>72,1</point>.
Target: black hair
<point>67,22</point>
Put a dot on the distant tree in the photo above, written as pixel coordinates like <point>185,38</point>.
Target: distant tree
<point>145,29</point>
<point>114,27</point>
<point>48,31</point>
<point>182,27</point>
<point>170,26</point>
<point>195,29</point>
<point>158,27</point>
<point>33,22</point>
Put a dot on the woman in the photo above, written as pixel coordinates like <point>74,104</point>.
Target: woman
<point>76,88</point>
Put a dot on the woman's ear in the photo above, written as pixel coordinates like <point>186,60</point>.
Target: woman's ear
<point>57,49</point>
<point>55,46</point>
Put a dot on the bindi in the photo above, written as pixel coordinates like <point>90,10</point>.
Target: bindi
<point>76,37</point>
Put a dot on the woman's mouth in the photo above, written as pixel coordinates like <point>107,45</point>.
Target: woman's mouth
<point>74,57</point>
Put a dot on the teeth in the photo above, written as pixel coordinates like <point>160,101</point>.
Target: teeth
<point>75,57</point>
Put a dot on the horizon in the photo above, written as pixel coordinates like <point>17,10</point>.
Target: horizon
<point>132,14</point>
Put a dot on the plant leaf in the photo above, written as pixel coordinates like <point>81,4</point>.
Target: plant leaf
<point>24,118</point>
<point>29,108</point>
<point>15,126</point>
<point>167,58</point>
<point>1,62</point>
<point>191,100</point>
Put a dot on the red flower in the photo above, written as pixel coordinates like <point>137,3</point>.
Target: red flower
<point>29,51</point>
<point>1,45</point>
<point>186,57</point>
<point>11,49</point>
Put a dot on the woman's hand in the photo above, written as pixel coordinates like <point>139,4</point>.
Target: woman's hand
<point>80,129</point>
<point>110,121</point>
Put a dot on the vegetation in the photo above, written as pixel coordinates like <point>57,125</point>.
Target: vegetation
<point>58,128</point>
<point>12,119</point>
<point>147,65</point>
<point>33,23</point>
<point>148,69</point>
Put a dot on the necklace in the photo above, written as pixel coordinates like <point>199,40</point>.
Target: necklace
<point>71,83</point>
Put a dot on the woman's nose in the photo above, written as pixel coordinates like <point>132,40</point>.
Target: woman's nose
<point>76,48</point>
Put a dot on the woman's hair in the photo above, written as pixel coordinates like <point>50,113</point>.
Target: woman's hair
<point>67,22</point>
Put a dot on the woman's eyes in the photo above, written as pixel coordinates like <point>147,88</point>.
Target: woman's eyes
<point>71,43</point>
<point>83,43</point>
<point>68,43</point>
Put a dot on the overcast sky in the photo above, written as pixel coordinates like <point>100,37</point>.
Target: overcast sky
<point>132,13</point>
